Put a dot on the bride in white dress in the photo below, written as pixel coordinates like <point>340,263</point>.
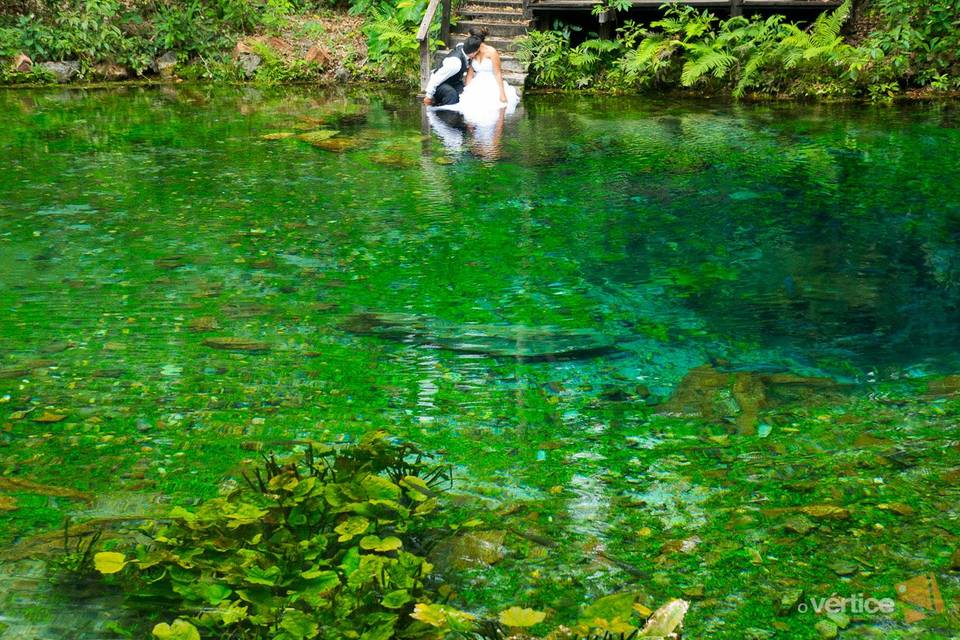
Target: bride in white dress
<point>486,92</point>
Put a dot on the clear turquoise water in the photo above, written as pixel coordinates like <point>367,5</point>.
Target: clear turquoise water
<point>137,223</point>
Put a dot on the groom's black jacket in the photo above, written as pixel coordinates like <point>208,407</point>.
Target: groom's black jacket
<point>456,80</point>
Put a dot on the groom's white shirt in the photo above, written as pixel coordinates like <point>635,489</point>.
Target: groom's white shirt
<point>449,68</point>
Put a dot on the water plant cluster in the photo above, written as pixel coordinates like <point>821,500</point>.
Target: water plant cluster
<point>912,45</point>
<point>331,544</point>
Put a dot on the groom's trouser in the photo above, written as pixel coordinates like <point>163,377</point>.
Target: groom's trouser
<point>445,94</point>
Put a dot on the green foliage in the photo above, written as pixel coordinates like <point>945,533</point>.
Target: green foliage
<point>391,31</point>
<point>554,62</point>
<point>274,69</point>
<point>693,49</point>
<point>328,546</point>
<point>919,39</point>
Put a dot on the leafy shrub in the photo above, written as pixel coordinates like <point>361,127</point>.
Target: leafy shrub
<point>554,62</point>
<point>276,69</point>
<point>919,38</point>
<point>694,49</point>
<point>188,27</point>
<point>392,44</point>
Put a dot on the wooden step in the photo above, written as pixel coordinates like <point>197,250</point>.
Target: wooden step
<point>516,80</point>
<point>481,14</point>
<point>500,44</point>
<point>496,5</point>
<point>508,63</point>
<point>497,29</point>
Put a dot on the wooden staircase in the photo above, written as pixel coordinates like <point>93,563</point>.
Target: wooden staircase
<point>506,22</point>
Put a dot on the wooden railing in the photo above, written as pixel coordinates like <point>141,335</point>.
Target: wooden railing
<point>423,36</point>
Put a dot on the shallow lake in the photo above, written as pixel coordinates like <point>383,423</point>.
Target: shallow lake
<point>662,334</point>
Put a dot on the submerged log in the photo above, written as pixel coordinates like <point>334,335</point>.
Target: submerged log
<point>530,344</point>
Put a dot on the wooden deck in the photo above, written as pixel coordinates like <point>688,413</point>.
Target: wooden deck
<point>579,5</point>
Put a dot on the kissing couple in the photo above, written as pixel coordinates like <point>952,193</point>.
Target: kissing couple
<point>470,80</point>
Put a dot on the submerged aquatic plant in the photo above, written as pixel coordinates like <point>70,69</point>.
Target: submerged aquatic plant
<point>331,545</point>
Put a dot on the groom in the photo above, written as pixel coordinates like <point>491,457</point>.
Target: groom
<point>446,82</point>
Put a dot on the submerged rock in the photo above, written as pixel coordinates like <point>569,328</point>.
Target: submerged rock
<point>713,394</point>
<point>394,159</point>
<point>507,341</point>
<point>474,549</point>
<point>280,135</point>
<point>316,137</point>
<point>237,344</point>
<point>339,145</point>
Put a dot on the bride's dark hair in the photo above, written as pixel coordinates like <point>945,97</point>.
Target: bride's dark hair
<point>480,33</point>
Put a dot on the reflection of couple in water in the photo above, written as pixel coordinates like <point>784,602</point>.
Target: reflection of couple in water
<point>467,93</point>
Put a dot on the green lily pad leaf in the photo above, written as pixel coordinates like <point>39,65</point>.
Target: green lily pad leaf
<point>109,562</point>
<point>285,481</point>
<point>396,599</point>
<point>517,617</point>
<point>352,526</point>
<point>617,605</point>
<point>214,593</point>
<point>375,543</point>
<point>322,580</point>
<point>244,514</point>
<point>179,630</point>
<point>370,569</point>
<point>416,488</point>
<point>443,617</point>
<point>305,487</point>
<point>379,488</point>
<point>427,506</point>
<point>351,560</point>
<point>256,575</point>
<point>299,625</point>
<point>382,627</point>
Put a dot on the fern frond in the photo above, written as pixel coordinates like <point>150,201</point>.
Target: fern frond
<point>827,27</point>
<point>705,60</point>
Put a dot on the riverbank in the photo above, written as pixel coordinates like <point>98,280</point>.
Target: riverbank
<point>100,43</point>
<point>869,50</point>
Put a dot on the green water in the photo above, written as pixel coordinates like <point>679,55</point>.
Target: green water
<point>821,242</point>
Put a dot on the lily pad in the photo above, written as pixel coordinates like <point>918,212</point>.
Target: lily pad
<point>517,617</point>
<point>107,562</point>
<point>179,630</point>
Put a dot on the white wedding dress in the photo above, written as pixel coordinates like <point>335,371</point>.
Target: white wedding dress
<point>480,101</point>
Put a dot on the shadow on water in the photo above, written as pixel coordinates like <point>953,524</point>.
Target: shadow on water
<point>647,330</point>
